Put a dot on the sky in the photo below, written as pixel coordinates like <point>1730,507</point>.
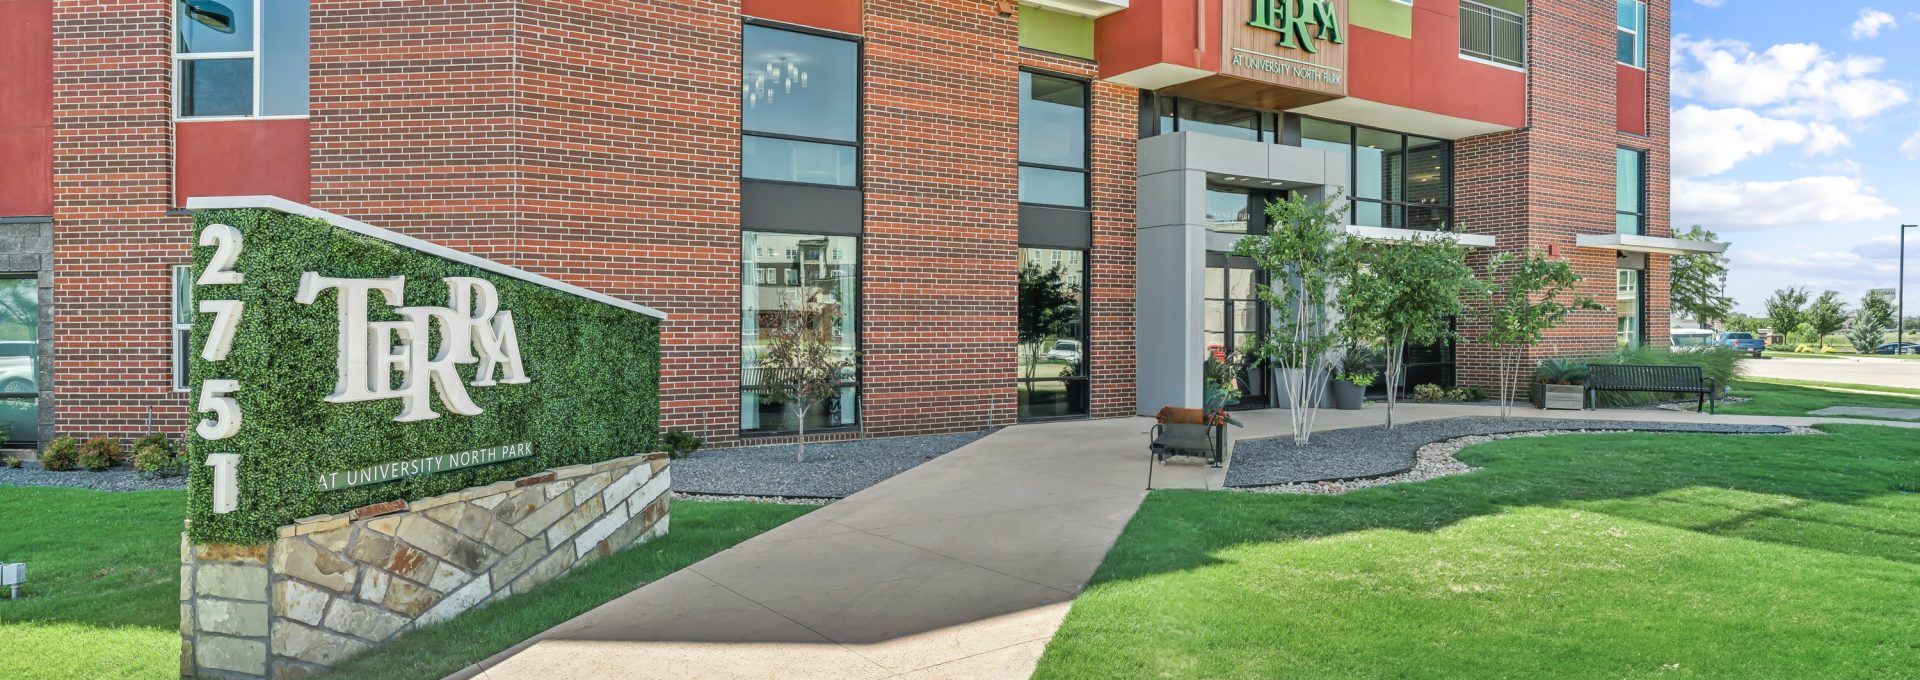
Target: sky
<point>1796,138</point>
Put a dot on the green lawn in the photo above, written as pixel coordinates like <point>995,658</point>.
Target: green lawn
<point>104,584</point>
<point>1846,354</point>
<point>1772,397</point>
<point>1580,556</point>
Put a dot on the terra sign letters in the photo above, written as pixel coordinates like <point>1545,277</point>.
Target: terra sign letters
<point>1299,22</point>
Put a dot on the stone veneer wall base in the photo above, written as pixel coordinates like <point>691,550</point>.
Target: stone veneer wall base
<point>334,586</point>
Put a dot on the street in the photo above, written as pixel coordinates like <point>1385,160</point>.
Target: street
<point>1857,370</point>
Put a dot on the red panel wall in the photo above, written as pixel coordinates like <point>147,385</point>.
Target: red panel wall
<point>1157,32</point>
<point>26,107</point>
<point>1631,100</point>
<point>1428,74</point>
<point>242,158</point>
<point>833,15</point>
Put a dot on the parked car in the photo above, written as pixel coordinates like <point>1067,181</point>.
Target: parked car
<point>1898,348</point>
<point>1064,350</point>
<point>1745,342</point>
<point>1692,339</point>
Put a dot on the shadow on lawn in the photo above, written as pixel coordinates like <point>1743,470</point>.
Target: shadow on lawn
<point>1711,483</point>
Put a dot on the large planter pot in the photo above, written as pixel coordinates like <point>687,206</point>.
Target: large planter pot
<point>1280,381</point>
<point>1564,397</point>
<point>1348,396</point>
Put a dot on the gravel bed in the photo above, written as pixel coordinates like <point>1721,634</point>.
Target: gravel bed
<point>832,469</point>
<point>116,479</point>
<point>1363,452</point>
<point>777,500</point>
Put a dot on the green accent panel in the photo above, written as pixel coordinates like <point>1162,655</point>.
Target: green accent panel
<point>1385,16</point>
<point>1055,32</point>
<point>593,394</point>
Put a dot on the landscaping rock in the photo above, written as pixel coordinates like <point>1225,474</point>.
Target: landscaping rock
<point>115,479</point>
<point>832,469</point>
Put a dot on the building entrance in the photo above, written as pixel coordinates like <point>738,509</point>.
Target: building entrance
<point>1236,323</point>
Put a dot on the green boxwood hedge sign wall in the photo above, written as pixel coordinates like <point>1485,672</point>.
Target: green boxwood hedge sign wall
<point>591,366</point>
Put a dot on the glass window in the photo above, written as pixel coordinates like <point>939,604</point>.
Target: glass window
<point>1398,181</point>
<point>241,57</point>
<point>1493,34</point>
<point>19,358</point>
<point>182,324</point>
<point>1627,307</point>
<point>1629,191</point>
<point>1630,45</point>
<point>1229,210</point>
<point>1052,334</point>
<point>1219,121</point>
<point>800,98</point>
<point>1053,140</point>
<point>779,272</point>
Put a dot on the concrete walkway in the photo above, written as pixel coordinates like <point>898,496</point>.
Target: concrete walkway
<point>962,567</point>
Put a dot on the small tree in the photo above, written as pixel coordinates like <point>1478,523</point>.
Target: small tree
<point>1519,305</point>
<point>1786,309</point>
<point>1048,306</point>
<point>1827,315</point>
<point>800,365</point>
<point>1308,259</point>
<point>1406,292</point>
<point>1699,279</point>
<point>1741,323</point>
<point>1870,323</point>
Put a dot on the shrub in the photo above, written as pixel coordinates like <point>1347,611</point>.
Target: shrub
<point>11,461</point>
<point>154,456</point>
<point>62,454</point>
<point>1467,393</point>
<point>1559,371</point>
<point>1723,365</point>
<point>1429,393</point>
<point>681,443</point>
<point>100,453</point>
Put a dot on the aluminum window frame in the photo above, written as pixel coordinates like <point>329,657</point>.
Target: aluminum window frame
<point>1492,56</point>
<point>859,107</point>
<point>1640,177</point>
<point>252,56</point>
<point>1086,148</point>
<point>1085,339</point>
<point>1353,174</point>
<point>859,334</point>
<point>182,333</point>
<point>1639,34</point>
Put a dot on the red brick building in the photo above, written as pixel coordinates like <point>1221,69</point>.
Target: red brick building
<point>903,160</point>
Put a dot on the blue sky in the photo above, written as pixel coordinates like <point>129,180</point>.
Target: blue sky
<point>1796,137</point>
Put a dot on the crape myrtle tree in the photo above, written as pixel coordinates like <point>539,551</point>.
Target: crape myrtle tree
<point>1407,292</point>
<point>1698,280</point>
<point>1520,302</point>
<point>1048,306</point>
<point>1786,309</point>
<point>1308,259</point>
<point>1870,323</point>
<point>800,365</point>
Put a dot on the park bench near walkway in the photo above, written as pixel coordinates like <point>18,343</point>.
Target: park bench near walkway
<point>1185,432</point>
<point>1647,378</point>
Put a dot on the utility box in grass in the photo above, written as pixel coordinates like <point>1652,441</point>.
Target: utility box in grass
<point>390,433</point>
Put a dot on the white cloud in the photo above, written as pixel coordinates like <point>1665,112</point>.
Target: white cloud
<point>1732,205</point>
<point>1793,79</point>
<point>1911,147</point>
<point>1715,4</point>
<point>1881,248</point>
<point>1711,141</point>
<point>1821,269</point>
<point>1870,22</point>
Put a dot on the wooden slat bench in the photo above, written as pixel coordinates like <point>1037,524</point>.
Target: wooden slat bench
<point>1645,378</point>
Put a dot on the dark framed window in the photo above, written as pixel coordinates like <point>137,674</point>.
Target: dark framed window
<point>1630,40</point>
<point>182,325</point>
<point>241,58</point>
<point>1493,34</point>
<point>1630,307</point>
<point>800,101</point>
<point>1052,380</point>
<point>781,269</point>
<point>1053,140</point>
<point>1185,115</point>
<point>1630,191</point>
<point>19,356</point>
<point>1395,180</point>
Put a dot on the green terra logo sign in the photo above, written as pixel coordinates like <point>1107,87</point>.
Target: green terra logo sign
<point>1299,22</point>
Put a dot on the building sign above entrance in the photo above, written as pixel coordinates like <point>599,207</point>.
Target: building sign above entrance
<point>1299,44</point>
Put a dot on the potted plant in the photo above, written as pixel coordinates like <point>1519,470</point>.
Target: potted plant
<point>1562,384</point>
<point>1351,382</point>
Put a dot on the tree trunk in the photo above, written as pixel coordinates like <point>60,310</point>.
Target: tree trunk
<point>801,457</point>
<point>1394,365</point>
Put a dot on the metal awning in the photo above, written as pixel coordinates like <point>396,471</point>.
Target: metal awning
<point>1392,234</point>
<point>1629,243</point>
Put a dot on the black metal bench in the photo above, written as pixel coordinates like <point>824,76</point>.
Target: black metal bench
<point>1644,378</point>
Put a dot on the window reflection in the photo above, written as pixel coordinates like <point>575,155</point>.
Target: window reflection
<point>1052,334</point>
<point>1397,181</point>
<point>800,100</point>
<point>1053,140</point>
<point>19,358</point>
<point>1229,210</point>
<point>782,270</point>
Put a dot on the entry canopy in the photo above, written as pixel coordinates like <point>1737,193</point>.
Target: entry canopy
<point>1085,8</point>
<point>1391,234</point>
<point>1630,243</point>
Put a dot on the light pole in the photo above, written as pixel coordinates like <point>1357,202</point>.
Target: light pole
<point>1900,295</point>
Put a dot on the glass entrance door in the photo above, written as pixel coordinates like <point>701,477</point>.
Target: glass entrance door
<point>1236,322</point>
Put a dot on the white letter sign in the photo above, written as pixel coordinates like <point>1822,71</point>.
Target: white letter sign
<point>471,328</point>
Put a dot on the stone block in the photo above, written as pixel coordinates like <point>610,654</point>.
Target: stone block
<point>495,533</point>
<point>188,669</point>
<point>314,645</point>
<point>333,539</point>
<point>554,564</point>
<point>515,562</point>
<point>307,562</point>
<point>574,521</point>
<point>539,517</point>
<point>248,657</point>
<point>363,621</point>
<point>373,585</point>
<point>288,669</point>
<point>446,577</point>
<point>599,531</point>
<point>489,502</point>
<point>186,582</point>
<point>385,525</point>
<point>449,515</point>
<point>373,548</point>
<point>556,488</point>
<point>488,490</point>
<point>227,552</point>
<point>532,480</point>
<point>654,488</point>
<point>186,618</point>
<point>378,509</point>
<point>226,617</point>
<point>459,601</point>
<point>444,543</point>
<point>571,471</point>
<point>517,505</point>
<point>436,501</point>
<point>231,581</point>
<point>299,601</point>
<point>408,598</point>
<point>624,485</point>
<point>591,485</point>
<point>657,465</point>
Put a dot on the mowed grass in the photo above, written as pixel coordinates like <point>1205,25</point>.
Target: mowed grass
<point>1577,556</point>
<point>104,580</point>
<point>1772,397</point>
<point>103,583</point>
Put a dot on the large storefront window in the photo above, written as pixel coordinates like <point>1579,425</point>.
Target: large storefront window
<point>241,58</point>
<point>1399,181</point>
<point>1053,333</point>
<point>1053,140</point>
<point>19,352</point>
<point>1630,191</point>
<point>1185,115</point>
<point>800,98</point>
<point>781,271</point>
